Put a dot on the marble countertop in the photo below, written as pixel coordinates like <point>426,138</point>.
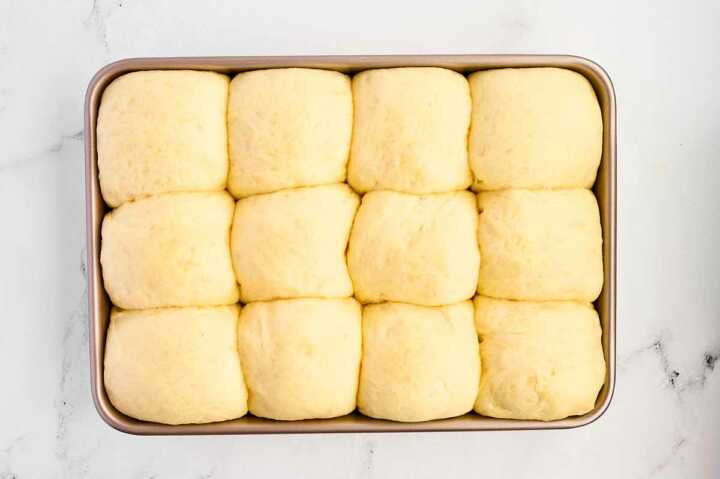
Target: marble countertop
<point>663,58</point>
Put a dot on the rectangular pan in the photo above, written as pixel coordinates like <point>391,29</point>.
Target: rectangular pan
<point>99,304</point>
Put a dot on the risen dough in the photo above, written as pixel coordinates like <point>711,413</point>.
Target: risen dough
<point>414,249</point>
<point>540,245</point>
<point>410,131</point>
<point>534,128</point>
<point>169,250</point>
<point>292,243</point>
<point>301,357</point>
<point>162,131</point>
<point>175,365</point>
<point>540,360</point>
<point>287,128</point>
<point>419,363</point>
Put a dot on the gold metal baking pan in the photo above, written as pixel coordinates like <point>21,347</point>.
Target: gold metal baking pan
<point>99,304</point>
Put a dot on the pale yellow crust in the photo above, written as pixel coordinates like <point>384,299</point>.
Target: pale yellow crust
<point>415,249</point>
<point>541,360</point>
<point>287,128</point>
<point>540,245</point>
<point>534,128</point>
<point>175,365</point>
<point>301,357</point>
<point>160,132</point>
<point>419,363</point>
<point>292,243</point>
<point>169,250</point>
<point>300,243</point>
<point>410,131</point>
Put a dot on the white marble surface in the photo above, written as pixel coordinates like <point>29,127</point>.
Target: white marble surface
<point>664,58</point>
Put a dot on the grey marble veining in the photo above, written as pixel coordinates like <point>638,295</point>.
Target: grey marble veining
<point>677,380</point>
<point>664,421</point>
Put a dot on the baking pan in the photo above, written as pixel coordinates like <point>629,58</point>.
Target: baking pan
<point>99,304</point>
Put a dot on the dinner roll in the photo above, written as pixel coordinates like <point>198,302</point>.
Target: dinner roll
<point>169,250</point>
<point>288,127</point>
<point>419,363</point>
<point>160,132</point>
<point>292,243</point>
<point>410,130</point>
<point>414,249</point>
<point>534,128</point>
<point>540,245</point>
<point>301,357</point>
<point>175,365</point>
<point>541,360</point>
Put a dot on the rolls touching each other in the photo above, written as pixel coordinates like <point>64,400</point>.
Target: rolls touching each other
<point>300,244</point>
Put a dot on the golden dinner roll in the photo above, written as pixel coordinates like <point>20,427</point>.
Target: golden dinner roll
<point>419,363</point>
<point>169,250</point>
<point>534,128</point>
<point>414,249</point>
<point>410,131</point>
<point>540,245</point>
<point>292,243</point>
<point>288,127</point>
<point>175,365</point>
<point>160,132</point>
<point>541,360</point>
<point>301,357</point>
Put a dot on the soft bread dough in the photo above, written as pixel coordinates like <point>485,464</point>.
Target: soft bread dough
<point>301,357</point>
<point>534,128</point>
<point>414,249</point>
<point>410,131</point>
<point>175,365</point>
<point>540,245</point>
<point>169,250</point>
<point>160,132</point>
<point>540,360</point>
<point>292,243</point>
<point>419,363</point>
<point>288,127</point>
